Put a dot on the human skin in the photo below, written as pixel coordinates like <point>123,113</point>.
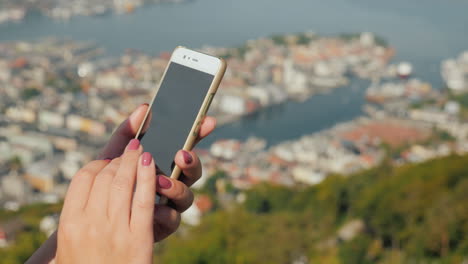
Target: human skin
<point>167,220</point>
<point>108,211</point>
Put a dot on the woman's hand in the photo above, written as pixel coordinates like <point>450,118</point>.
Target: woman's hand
<point>177,191</point>
<point>168,217</point>
<point>103,219</point>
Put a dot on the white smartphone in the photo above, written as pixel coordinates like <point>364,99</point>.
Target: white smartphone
<point>179,105</point>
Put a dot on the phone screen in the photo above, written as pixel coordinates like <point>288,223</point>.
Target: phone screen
<point>174,111</point>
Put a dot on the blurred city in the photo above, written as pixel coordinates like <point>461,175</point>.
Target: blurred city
<point>336,144</point>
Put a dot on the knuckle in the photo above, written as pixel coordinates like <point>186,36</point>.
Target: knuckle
<point>94,162</point>
<point>118,242</point>
<point>199,170</point>
<point>131,156</point>
<point>177,221</point>
<point>68,231</point>
<point>117,161</point>
<point>121,183</point>
<point>190,198</point>
<point>193,174</point>
<point>121,242</point>
<point>93,232</point>
<point>145,204</point>
<point>181,191</point>
<point>85,173</point>
<point>174,224</point>
<point>105,175</point>
<point>170,220</point>
<point>198,173</point>
<point>167,223</point>
<point>146,177</point>
<point>183,198</point>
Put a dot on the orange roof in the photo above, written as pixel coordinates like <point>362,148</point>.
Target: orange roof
<point>204,203</point>
<point>368,159</point>
<point>19,62</point>
<point>277,160</point>
<point>391,133</point>
<point>165,55</point>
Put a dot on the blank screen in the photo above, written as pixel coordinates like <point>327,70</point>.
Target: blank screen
<point>174,111</point>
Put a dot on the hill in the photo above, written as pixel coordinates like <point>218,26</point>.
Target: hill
<point>409,214</point>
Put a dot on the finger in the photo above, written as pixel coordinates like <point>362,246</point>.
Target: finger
<point>80,187</point>
<point>121,192</point>
<point>99,197</point>
<point>145,195</point>
<point>190,165</point>
<point>124,133</point>
<point>166,222</point>
<point>207,127</point>
<point>177,192</point>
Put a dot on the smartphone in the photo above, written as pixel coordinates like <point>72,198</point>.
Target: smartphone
<point>179,105</point>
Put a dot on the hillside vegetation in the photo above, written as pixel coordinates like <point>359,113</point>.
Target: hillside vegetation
<point>411,214</point>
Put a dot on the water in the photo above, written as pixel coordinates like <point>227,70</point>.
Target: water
<point>422,32</point>
<point>293,119</point>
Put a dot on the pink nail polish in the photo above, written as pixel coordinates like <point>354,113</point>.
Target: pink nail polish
<point>164,182</point>
<point>146,159</point>
<point>187,157</point>
<point>134,144</point>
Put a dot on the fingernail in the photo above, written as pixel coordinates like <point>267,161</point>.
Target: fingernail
<point>134,144</point>
<point>146,159</point>
<point>164,182</point>
<point>187,157</point>
<point>136,110</point>
<point>108,160</point>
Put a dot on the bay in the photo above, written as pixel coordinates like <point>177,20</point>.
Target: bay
<point>422,32</point>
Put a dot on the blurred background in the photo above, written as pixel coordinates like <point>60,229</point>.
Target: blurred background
<point>342,131</point>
